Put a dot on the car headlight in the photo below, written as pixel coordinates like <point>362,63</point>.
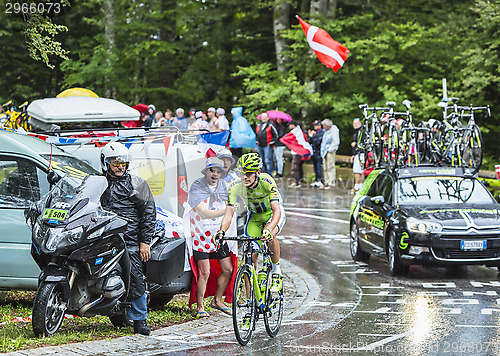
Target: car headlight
<point>58,237</point>
<point>422,227</point>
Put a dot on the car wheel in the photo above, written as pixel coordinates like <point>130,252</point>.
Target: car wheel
<point>356,253</point>
<point>394,258</point>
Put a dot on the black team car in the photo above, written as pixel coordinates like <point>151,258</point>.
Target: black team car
<point>425,215</point>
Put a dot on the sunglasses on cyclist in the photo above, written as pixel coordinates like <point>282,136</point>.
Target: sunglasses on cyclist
<point>118,164</point>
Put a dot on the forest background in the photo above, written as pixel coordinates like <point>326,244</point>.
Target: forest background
<point>253,53</point>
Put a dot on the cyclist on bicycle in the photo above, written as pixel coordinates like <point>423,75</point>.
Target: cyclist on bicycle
<point>267,216</point>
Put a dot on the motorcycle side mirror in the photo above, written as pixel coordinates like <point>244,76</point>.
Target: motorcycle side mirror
<point>52,177</point>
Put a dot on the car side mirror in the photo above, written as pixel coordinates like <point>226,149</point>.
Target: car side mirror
<point>378,200</point>
<point>52,177</point>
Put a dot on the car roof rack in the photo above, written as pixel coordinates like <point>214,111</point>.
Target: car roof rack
<point>434,171</point>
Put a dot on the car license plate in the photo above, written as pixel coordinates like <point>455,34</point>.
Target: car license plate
<point>472,245</point>
<point>54,214</point>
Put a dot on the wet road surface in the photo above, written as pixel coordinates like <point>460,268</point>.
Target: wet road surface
<point>360,308</point>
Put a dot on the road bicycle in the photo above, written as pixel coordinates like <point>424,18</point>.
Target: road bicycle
<point>390,137</point>
<point>412,140</point>
<point>461,145</point>
<point>370,136</point>
<point>13,119</point>
<point>252,295</point>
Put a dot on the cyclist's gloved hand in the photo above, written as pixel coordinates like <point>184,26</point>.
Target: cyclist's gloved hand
<point>217,237</point>
<point>266,235</point>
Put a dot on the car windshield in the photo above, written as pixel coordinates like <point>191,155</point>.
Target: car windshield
<point>442,190</point>
<point>67,165</point>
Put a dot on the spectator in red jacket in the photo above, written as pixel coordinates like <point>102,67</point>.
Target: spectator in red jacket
<point>266,136</point>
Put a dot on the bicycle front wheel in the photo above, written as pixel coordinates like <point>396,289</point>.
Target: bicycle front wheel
<point>273,307</point>
<point>243,305</point>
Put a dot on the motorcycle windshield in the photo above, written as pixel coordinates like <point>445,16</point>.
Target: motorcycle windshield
<point>71,209</point>
<point>68,192</point>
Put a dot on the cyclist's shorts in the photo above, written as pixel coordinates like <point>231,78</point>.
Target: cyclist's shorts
<point>257,222</point>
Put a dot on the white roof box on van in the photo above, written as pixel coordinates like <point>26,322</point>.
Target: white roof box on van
<point>80,109</point>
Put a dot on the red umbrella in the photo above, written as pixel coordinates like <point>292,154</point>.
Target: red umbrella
<point>276,114</point>
<point>141,108</point>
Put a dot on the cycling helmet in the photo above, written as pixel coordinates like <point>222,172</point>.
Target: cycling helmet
<point>114,151</point>
<point>250,162</point>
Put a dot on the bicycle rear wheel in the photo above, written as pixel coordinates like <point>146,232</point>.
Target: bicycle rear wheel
<point>362,145</point>
<point>472,154</point>
<point>377,143</point>
<point>274,307</point>
<point>243,305</point>
<point>390,149</point>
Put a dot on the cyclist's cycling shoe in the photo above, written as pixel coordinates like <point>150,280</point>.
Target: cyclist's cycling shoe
<point>245,324</point>
<point>277,284</point>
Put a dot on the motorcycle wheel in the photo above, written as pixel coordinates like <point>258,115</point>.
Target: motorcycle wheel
<point>48,309</point>
<point>120,320</point>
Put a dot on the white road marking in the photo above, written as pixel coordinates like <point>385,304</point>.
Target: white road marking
<point>319,217</point>
<point>298,322</point>
<point>379,335</point>
<point>384,293</point>
<point>391,324</point>
<point>361,271</point>
<point>378,344</point>
<point>320,209</point>
<point>477,326</point>
<point>398,301</point>
<point>382,286</point>
<point>383,310</point>
<point>345,304</point>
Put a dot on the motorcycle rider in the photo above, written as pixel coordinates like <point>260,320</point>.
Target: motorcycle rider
<point>130,198</point>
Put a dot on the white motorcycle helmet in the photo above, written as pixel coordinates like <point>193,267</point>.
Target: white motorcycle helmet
<point>114,151</point>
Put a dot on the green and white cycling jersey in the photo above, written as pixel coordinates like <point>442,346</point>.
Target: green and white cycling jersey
<point>259,198</point>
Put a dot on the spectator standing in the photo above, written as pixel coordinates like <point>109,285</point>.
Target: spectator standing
<point>329,147</point>
<point>199,124</point>
<point>222,123</point>
<point>279,147</point>
<point>228,159</point>
<point>208,198</point>
<point>192,117</point>
<point>149,119</point>
<point>212,120</point>
<point>242,134</point>
<point>130,198</point>
<point>179,119</point>
<point>356,163</point>
<point>266,136</point>
<point>169,117</point>
<point>315,139</point>
<point>297,162</point>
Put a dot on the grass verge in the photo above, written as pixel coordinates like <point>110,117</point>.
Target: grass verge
<point>19,335</point>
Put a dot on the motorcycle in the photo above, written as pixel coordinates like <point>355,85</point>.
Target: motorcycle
<point>85,267</point>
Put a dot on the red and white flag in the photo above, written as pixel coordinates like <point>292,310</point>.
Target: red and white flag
<point>330,52</point>
<point>296,140</point>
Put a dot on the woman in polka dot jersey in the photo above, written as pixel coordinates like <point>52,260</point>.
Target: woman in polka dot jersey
<point>208,199</point>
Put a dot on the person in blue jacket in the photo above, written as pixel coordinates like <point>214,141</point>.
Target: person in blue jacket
<point>242,134</point>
